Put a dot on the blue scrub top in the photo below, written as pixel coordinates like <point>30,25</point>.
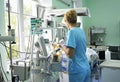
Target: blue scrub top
<point>76,39</point>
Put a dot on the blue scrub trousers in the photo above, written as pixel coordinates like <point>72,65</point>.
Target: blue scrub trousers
<point>83,76</point>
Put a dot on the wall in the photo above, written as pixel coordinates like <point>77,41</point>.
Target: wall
<point>2,32</point>
<point>58,4</point>
<point>104,13</point>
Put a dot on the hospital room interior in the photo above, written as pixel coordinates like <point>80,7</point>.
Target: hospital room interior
<point>32,30</point>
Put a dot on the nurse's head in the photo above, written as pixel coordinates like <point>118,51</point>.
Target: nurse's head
<point>70,18</point>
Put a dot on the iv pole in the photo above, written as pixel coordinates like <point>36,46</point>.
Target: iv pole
<point>9,32</point>
<point>10,38</point>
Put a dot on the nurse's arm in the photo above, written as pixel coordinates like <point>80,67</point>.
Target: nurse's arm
<point>69,51</point>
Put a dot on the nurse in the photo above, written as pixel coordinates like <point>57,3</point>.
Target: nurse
<point>75,49</point>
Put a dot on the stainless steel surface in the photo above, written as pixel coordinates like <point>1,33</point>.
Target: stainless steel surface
<point>111,64</point>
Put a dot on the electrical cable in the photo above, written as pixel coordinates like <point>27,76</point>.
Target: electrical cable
<point>28,47</point>
<point>6,50</point>
<point>4,44</point>
<point>12,49</point>
<point>2,67</point>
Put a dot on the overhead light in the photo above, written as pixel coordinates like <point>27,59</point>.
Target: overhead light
<point>83,11</point>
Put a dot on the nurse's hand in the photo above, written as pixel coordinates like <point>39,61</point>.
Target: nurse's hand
<point>62,46</point>
<point>55,45</point>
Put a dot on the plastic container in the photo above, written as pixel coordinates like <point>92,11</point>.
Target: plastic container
<point>107,55</point>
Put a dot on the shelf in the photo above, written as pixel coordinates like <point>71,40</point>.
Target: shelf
<point>98,30</point>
